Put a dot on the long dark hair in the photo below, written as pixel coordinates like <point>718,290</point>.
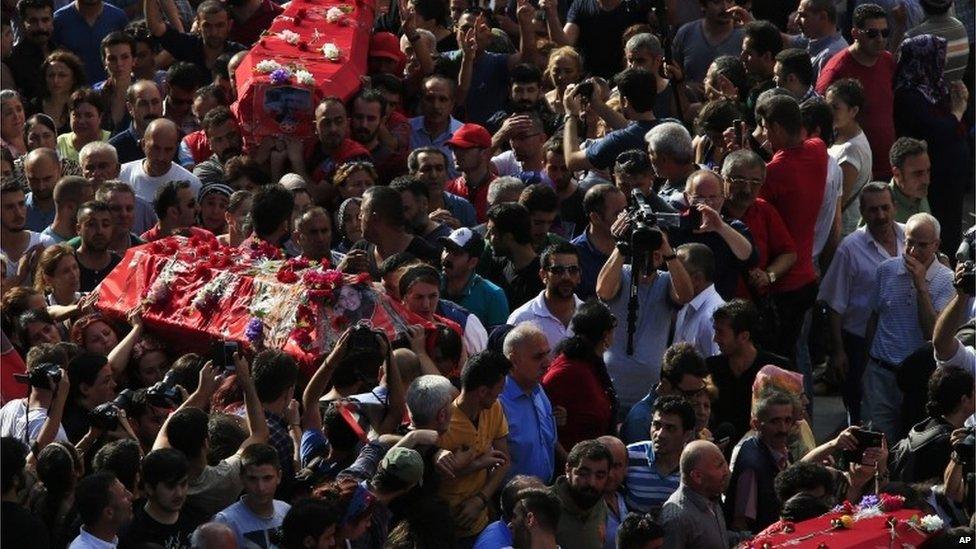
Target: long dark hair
<point>590,324</point>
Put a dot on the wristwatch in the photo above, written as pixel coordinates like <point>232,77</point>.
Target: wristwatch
<point>772,277</point>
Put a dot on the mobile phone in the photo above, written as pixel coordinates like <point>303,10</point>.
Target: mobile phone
<point>223,355</point>
<point>865,439</point>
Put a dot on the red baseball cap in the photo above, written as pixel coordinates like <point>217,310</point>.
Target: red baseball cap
<point>470,136</point>
<point>385,44</point>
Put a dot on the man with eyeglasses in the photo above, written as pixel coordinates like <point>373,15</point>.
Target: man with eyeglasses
<point>652,464</point>
<point>553,308</point>
<point>868,61</point>
<point>729,240</point>
<point>683,373</point>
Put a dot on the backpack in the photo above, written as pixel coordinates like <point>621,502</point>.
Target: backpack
<point>923,437</point>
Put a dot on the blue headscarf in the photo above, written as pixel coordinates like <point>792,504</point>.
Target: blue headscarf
<point>921,66</point>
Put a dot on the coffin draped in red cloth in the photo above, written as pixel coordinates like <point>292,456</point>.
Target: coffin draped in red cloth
<point>283,103</point>
<point>889,529</point>
<point>196,291</point>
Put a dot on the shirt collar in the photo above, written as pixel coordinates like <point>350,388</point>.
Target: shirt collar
<point>899,240</point>
<point>704,297</point>
<point>930,273</point>
<point>513,391</point>
<point>94,541</point>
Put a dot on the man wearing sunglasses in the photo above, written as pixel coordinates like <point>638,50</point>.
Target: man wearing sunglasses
<point>553,308</point>
<point>868,61</point>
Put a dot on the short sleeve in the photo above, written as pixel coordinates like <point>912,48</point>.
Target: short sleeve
<point>313,444</point>
<point>835,283</point>
<point>603,152</point>
<point>499,422</point>
<point>942,291</point>
<point>575,12</point>
<point>850,154</point>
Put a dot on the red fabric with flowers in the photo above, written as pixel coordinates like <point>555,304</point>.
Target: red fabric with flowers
<point>195,291</point>
<point>864,533</point>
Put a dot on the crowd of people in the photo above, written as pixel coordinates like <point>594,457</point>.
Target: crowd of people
<point>639,241</point>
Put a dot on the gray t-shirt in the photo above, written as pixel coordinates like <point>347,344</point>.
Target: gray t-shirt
<point>695,53</point>
<point>215,489</point>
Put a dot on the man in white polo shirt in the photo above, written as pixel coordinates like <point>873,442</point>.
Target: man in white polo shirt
<point>553,308</point>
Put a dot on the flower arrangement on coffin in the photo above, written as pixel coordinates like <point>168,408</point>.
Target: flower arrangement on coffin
<point>332,52</point>
<point>322,286</point>
<point>339,15</point>
<point>281,75</point>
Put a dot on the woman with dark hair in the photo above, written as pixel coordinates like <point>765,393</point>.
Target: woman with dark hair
<point>578,380</point>
<point>86,109</point>
<point>347,228</point>
<point>59,466</point>
<point>40,132</point>
<point>12,123</point>
<point>63,74</point>
<point>928,108</point>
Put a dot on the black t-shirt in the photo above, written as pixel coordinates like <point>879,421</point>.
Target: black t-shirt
<point>21,525</point>
<point>728,267</point>
<point>90,277</point>
<point>600,31</point>
<point>418,247</point>
<point>144,528</point>
<point>521,285</point>
<point>735,393</point>
<point>571,212</point>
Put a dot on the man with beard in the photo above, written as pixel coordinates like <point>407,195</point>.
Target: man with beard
<point>692,517</point>
<point>164,482</point>
<point>471,145</point>
<point>368,125</point>
<point>177,209</point>
<point>334,148</point>
<point>100,164</point>
<point>519,271</point>
<point>145,104</point>
<point>751,497</point>
<point>524,96</point>
<point>435,125</point>
<point>414,194</point>
<point>251,18</point>
<point>553,308</point>
<point>430,165</point>
<point>224,138</point>
<point>847,285</point>
<point>80,26</point>
<point>652,472</point>
<point>462,285</point>
<point>95,260</point>
<point>148,174</point>
<point>612,493</point>
<point>203,49</point>
<point>525,158</point>
<point>42,170</point>
<point>569,193</point>
<point>37,18</point>
<point>580,493</point>
<point>535,519</point>
<point>15,240</point>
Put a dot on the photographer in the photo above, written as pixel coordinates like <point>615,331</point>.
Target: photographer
<point>657,294</point>
<point>958,476</point>
<point>862,476</point>
<point>949,351</point>
<point>24,418</point>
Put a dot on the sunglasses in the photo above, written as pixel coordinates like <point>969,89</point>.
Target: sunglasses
<point>560,270</point>
<point>874,33</point>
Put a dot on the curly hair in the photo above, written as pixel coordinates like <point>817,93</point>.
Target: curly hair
<point>74,64</point>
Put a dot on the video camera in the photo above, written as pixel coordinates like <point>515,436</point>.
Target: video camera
<point>106,416</point>
<point>646,225</point>
<point>966,254</point>
<point>45,375</point>
<point>166,393</point>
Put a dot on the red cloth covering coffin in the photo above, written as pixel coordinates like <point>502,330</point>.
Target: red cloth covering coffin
<point>265,108</point>
<point>888,530</point>
<point>196,291</point>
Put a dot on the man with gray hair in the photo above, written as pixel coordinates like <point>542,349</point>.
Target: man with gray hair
<point>672,156</point>
<point>692,516</point>
<point>213,535</point>
<point>532,446</point>
<point>694,321</point>
<point>428,402</point>
<point>909,292</point>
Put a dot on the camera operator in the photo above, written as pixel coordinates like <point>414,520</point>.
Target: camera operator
<point>949,351</point>
<point>861,476</point>
<point>657,294</point>
<point>23,418</point>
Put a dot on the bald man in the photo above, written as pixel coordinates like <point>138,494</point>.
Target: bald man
<point>144,102</point>
<point>159,145</point>
<point>213,535</point>
<point>692,517</point>
<point>612,495</point>
<point>42,168</point>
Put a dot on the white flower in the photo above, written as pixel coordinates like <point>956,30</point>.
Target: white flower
<point>267,66</point>
<point>291,37</point>
<point>304,77</point>
<point>334,15</point>
<point>931,523</point>
<point>331,51</point>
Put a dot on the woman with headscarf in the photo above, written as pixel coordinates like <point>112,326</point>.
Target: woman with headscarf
<point>347,229</point>
<point>928,108</point>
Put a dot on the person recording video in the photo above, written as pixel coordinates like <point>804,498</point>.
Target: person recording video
<point>949,350</point>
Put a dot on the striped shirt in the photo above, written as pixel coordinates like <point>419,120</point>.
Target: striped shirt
<point>647,490</point>
<point>895,301</point>
<point>957,42</point>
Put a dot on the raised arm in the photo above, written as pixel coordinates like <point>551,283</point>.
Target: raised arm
<point>396,397</point>
<point>154,19</point>
<point>118,357</point>
<point>575,158</point>
<point>944,335</point>
<point>527,50</point>
<point>469,49</point>
<point>49,430</point>
<point>312,417</point>
<point>608,281</point>
<point>257,425</point>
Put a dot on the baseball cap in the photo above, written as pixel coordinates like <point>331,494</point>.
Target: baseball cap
<point>385,44</point>
<point>470,136</point>
<point>405,464</point>
<point>464,239</point>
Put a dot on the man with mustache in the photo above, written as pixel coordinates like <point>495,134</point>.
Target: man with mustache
<point>462,285</point>
<point>751,502</point>
<point>699,42</point>
<point>145,104</point>
<point>652,471</point>
<point>15,239</point>
<point>224,137</point>
<point>583,511</point>
<point>37,17</point>
<point>95,260</point>
<point>369,127</point>
<point>524,96</point>
<point>203,48</point>
<point>553,308</point>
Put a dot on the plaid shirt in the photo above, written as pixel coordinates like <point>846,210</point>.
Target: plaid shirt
<point>280,438</point>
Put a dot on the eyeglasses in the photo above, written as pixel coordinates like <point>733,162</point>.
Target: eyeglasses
<point>560,270</point>
<point>744,181</point>
<point>874,33</point>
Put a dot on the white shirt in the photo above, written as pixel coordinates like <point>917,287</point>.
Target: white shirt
<point>35,239</point>
<point>825,217</point>
<point>145,185</point>
<point>857,153</point>
<point>964,358</point>
<point>537,312</point>
<point>694,322</point>
<point>19,423</point>
<point>88,541</point>
<point>850,280</point>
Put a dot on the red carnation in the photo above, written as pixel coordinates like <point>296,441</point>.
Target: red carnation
<point>302,337</point>
<point>287,276</point>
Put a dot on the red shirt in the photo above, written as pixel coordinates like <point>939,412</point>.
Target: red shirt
<point>877,115</point>
<point>769,235</point>
<point>478,198</point>
<point>248,32</point>
<point>574,385</point>
<point>795,183</point>
<point>10,388</point>
<point>199,147</point>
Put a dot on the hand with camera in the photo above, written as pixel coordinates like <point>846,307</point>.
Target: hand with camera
<point>572,100</point>
<point>963,278</point>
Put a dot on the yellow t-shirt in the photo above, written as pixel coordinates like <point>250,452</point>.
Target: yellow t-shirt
<point>461,435</point>
<point>67,150</point>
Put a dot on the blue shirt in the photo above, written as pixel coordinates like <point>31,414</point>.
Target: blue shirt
<point>591,261</point>
<point>420,138</point>
<point>602,153</point>
<point>494,536</point>
<point>637,425</point>
<point>73,33</point>
<point>483,298</point>
<point>647,490</point>
<point>37,219</point>
<point>461,209</point>
<point>531,431</point>
<point>489,84</point>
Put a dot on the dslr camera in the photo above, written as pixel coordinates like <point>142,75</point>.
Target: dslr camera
<point>45,375</point>
<point>165,393</point>
<point>106,416</point>
<point>363,349</point>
